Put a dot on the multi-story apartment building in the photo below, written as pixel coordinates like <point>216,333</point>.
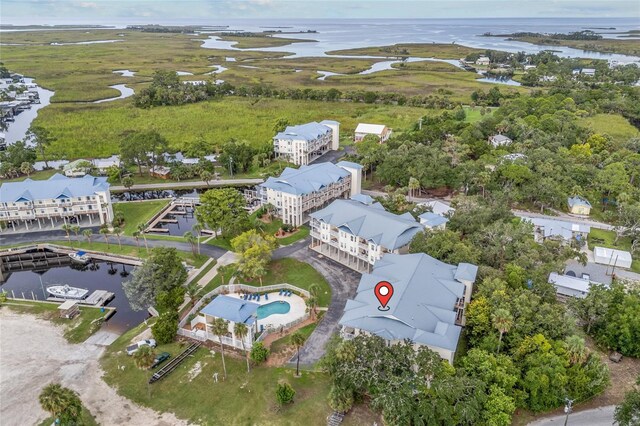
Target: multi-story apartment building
<point>305,143</point>
<point>426,307</point>
<point>36,204</point>
<point>298,192</point>
<point>357,235</point>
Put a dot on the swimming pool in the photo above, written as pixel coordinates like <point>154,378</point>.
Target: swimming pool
<point>278,307</point>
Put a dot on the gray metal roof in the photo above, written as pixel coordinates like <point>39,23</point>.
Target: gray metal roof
<point>555,227</point>
<point>371,222</point>
<point>578,201</point>
<point>349,164</point>
<point>232,309</point>
<point>362,198</point>
<point>306,179</point>
<point>500,138</point>
<point>422,308</point>
<point>57,186</point>
<point>306,132</point>
<point>432,219</point>
<point>567,281</point>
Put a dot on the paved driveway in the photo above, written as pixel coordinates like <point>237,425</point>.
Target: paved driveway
<point>602,416</point>
<point>343,282</point>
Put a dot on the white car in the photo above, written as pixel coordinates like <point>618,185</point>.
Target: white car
<point>134,348</point>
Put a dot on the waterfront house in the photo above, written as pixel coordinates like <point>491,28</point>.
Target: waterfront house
<point>357,235</point>
<point>303,144</point>
<point>298,192</point>
<point>57,200</point>
<point>77,168</point>
<point>433,221</point>
<point>103,164</point>
<point>552,228</point>
<point>382,132</point>
<point>499,140</point>
<point>427,306</point>
<point>589,72</point>
<point>483,60</point>
<point>579,205</point>
<point>233,310</point>
<point>161,172</point>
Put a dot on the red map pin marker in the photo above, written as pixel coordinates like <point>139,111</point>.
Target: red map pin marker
<point>383,292</point>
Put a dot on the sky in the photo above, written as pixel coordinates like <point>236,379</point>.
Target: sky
<point>164,11</point>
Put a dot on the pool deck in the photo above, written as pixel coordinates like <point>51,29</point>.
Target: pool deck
<point>298,309</point>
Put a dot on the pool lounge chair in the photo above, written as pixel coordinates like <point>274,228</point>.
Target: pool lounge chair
<point>280,293</point>
<point>258,298</point>
<point>246,296</point>
<point>288,293</point>
<point>266,297</point>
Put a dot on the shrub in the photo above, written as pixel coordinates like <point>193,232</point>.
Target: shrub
<point>166,328</point>
<point>259,353</point>
<point>340,398</point>
<point>284,393</point>
<point>144,357</point>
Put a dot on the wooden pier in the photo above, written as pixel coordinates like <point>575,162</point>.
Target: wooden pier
<point>97,298</point>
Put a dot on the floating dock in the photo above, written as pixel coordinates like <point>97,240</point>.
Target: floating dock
<point>97,298</point>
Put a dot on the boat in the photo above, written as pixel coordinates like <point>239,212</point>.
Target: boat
<point>80,257</point>
<point>67,292</point>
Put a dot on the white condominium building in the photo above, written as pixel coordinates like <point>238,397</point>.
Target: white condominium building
<point>58,200</point>
<point>298,192</point>
<point>305,143</point>
<point>357,235</point>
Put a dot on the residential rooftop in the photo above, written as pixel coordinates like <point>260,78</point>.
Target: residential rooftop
<point>371,222</point>
<point>556,227</point>
<point>422,308</point>
<point>57,186</point>
<point>432,219</point>
<point>232,309</point>
<point>374,129</point>
<point>578,201</point>
<point>306,179</point>
<point>308,132</point>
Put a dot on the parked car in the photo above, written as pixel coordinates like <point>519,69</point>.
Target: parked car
<point>134,348</point>
<point>160,359</point>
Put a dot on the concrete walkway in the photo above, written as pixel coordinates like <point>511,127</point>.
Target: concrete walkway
<point>194,184</point>
<point>226,259</point>
<point>601,416</point>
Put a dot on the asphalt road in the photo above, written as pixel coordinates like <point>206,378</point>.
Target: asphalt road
<point>602,416</point>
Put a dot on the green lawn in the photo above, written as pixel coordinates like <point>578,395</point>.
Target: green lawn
<point>282,343</point>
<point>126,250</point>
<point>473,114</point>
<point>77,330</point>
<point>242,399</point>
<point>613,125</point>
<point>603,238</point>
<point>204,271</point>
<point>138,212</point>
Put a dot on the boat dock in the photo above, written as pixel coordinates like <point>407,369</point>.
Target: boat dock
<point>173,364</point>
<point>97,298</point>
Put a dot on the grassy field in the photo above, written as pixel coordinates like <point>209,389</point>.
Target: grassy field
<point>473,114</point>
<point>613,125</point>
<point>260,41</point>
<point>421,50</point>
<point>97,244</point>
<point>76,330</point>
<point>136,213</point>
<point>603,238</point>
<point>284,342</point>
<point>191,393</point>
<point>96,130</point>
<point>286,270</point>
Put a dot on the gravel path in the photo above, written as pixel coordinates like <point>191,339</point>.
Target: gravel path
<point>33,353</point>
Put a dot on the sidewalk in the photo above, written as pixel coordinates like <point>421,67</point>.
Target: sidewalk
<point>226,259</point>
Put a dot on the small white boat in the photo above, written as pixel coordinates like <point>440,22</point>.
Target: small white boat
<point>80,257</point>
<point>67,292</point>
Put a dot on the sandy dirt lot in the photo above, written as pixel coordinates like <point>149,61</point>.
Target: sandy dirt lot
<point>33,353</point>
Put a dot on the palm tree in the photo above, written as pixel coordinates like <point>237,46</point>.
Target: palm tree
<point>191,239</point>
<point>136,235</point>
<point>502,320</point>
<point>240,329</point>
<point>63,403</point>
<point>197,229</point>
<point>576,349</point>
<point>192,291</point>
<point>76,230</point>
<point>221,327</point>
<point>87,234</point>
<point>142,228</point>
<point>297,340</point>
<point>144,357</point>
<point>105,232</point>
<point>67,228</point>
<point>312,301</point>
<point>117,231</point>
<point>414,185</point>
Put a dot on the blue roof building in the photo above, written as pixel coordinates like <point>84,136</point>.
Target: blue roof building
<point>232,309</point>
<point>304,143</point>
<point>433,221</point>
<point>427,306</point>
